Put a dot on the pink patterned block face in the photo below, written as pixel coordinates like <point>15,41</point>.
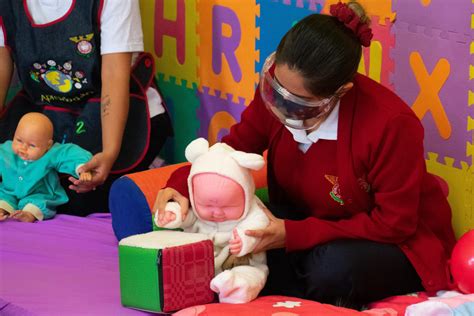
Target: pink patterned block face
<point>187,273</point>
<point>217,198</point>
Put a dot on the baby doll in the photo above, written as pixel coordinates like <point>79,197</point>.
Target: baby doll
<point>30,189</point>
<point>224,206</point>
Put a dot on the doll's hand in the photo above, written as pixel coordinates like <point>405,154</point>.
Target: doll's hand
<point>99,166</point>
<point>166,195</point>
<point>167,217</point>
<point>23,216</point>
<point>235,244</point>
<point>85,177</point>
<point>4,215</point>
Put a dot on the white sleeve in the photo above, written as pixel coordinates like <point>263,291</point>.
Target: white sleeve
<point>255,219</point>
<point>121,27</point>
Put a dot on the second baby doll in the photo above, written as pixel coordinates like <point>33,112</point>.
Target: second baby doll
<point>224,206</point>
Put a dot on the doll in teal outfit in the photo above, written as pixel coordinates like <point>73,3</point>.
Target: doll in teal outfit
<point>29,165</point>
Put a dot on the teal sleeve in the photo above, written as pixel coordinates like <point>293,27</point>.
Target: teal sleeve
<point>67,157</point>
<point>3,154</point>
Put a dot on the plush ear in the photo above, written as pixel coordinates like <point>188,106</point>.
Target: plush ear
<point>196,148</point>
<point>221,147</point>
<point>248,160</point>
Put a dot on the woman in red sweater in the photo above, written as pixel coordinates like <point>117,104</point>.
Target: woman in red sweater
<point>355,217</point>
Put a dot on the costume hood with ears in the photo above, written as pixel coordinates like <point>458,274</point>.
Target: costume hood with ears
<point>223,160</point>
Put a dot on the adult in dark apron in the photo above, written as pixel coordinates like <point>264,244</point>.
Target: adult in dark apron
<point>59,66</point>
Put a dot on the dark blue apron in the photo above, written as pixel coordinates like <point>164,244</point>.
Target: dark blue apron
<point>58,64</point>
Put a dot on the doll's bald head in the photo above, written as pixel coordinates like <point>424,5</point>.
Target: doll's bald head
<point>37,122</point>
<point>33,136</point>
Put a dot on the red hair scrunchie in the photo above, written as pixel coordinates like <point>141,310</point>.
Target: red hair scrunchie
<point>351,20</point>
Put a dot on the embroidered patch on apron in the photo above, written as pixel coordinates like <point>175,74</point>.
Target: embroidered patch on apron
<point>84,45</point>
<point>60,78</point>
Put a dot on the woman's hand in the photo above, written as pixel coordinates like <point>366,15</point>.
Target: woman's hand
<point>271,237</point>
<point>99,166</point>
<point>166,195</point>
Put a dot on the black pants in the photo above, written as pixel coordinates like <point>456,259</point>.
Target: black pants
<point>349,273</point>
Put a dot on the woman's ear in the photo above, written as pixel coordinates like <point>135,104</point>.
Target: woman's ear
<point>50,143</point>
<point>344,89</point>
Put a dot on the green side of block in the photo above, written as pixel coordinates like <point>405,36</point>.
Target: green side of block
<point>139,279</point>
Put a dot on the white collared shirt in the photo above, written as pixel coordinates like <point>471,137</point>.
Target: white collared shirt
<point>327,130</point>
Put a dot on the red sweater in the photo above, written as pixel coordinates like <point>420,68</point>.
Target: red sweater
<point>377,187</point>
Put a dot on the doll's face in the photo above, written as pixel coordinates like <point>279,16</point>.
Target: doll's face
<point>32,137</point>
<point>217,198</point>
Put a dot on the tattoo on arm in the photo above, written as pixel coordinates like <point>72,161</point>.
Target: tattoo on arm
<point>105,105</point>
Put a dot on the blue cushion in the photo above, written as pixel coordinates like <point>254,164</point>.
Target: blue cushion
<point>129,208</point>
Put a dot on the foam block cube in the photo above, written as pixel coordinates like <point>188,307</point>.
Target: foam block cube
<point>164,271</point>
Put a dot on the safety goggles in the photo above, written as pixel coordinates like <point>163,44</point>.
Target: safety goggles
<point>291,110</point>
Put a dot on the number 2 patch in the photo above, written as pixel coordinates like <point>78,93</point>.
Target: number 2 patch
<point>80,129</point>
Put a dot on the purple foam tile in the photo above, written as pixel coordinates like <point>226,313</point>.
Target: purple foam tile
<point>452,15</point>
<point>209,106</point>
<point>453,94</point>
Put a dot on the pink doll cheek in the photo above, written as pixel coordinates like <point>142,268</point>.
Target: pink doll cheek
<point>218,192</point>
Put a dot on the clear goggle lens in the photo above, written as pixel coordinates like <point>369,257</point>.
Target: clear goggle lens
<point>291,110</point>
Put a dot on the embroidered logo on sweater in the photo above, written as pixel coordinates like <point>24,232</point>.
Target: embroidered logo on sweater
<point>336,189</point>
<point>83,44</point>
<point>335,193</point>
<point>364,185</point>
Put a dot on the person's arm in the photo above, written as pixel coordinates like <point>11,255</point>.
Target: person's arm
<point>6,66</point>
<point>114,113</point>
<point>396,175</point>
<point>121,35</point>
<point>114,101</point>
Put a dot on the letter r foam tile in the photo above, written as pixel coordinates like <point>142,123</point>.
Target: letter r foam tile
<point>226,48</point>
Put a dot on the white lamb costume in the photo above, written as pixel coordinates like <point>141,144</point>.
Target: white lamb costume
<point>242,283</point>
